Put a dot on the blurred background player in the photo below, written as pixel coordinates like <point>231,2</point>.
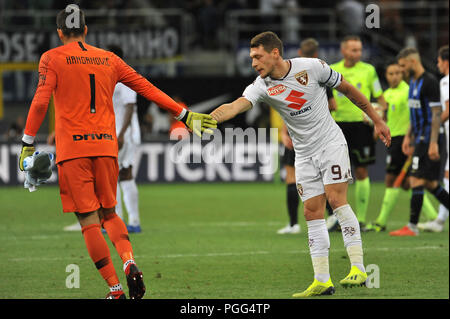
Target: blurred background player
<point>358,133</point>
<point>437,225</point>
<point>128,138</point>
<point>422,139</point>
<point>398,121</point>
<point>309,48</point>
<point>82,79</point>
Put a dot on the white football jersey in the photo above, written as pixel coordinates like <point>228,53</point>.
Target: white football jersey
<point>444,98</point>
<point>122,96</point>
<point>301,100</point>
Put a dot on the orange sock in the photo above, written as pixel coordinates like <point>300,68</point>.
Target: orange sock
<point>99,252</point>
<point>118,233</point>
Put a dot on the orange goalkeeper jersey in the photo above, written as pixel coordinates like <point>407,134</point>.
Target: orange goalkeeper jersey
<point>82,79</point>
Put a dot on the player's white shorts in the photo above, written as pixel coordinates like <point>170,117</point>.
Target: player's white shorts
<point>331,166</point>
<point>127,155</point>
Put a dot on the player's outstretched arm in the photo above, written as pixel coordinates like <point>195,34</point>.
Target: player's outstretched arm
<point>227,111</point>
<point>354,95</point>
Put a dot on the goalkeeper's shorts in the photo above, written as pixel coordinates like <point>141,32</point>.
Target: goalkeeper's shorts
<point>88,183</point>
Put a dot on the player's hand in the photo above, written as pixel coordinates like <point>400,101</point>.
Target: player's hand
<point>199,123</point>
<point>406,146</point>
<point>27,150</point>
<point>433,151</point>
<point>383,132</point>
<point>287,141</point>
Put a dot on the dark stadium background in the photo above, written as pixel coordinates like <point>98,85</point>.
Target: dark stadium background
<point>198,50</point>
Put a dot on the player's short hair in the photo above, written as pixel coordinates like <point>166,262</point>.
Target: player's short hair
<point>406,52</point>
<point>65,21</point>
<point>269,40</point>
<point>443,53</point>
<point>350,38</point>
<point>117,50</point>
<point>309,47</point>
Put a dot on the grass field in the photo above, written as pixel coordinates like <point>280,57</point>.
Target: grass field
<point>209,241</point>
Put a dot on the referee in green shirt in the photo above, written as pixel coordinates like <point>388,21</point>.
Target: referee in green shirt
<point>358,133</point>
<point>398,121</point>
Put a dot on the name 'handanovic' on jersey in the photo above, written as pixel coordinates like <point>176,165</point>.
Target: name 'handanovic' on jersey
<point>300,98</point>
<point>423,95</point>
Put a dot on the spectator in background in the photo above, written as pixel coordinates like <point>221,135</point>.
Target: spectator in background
<point>208,23</point>
<point>351,16</point>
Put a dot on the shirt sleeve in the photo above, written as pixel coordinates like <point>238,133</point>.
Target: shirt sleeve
<point>128,76</point>
<point>375,86</point>
<point>253,93</point>
<point>326,75</point>
<point>41,99</point>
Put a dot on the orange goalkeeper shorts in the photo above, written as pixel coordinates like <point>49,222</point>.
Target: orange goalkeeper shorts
<point>88,183</point>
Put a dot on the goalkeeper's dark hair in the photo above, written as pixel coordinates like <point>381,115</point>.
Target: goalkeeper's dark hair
<point>68,14</point>
<point>117,50</point>
<point>443,53</point>
<point>269,40</point>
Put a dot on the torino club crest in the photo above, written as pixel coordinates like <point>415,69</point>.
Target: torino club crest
<point>302,77</point>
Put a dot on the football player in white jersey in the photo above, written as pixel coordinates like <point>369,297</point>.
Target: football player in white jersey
<point>128,138</point>
<point>437,225</point>
<point>296,89</point>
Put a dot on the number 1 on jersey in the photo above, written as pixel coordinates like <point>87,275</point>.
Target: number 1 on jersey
<point>92,82</point>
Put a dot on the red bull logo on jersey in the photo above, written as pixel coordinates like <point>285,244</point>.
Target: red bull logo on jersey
<point>278,89</point>
<point>302,77</point>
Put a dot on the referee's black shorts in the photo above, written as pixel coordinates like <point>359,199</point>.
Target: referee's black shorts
<point>360,141</point>
<point>395,157</point>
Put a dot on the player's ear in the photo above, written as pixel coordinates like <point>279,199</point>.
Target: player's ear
<point>60,34</point>
<point>85,30</point>
<point>299,52</point>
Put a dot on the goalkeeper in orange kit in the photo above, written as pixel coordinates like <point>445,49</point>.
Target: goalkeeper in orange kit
<point>82,79</point>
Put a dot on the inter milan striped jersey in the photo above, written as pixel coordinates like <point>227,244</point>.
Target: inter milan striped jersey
<point>300,98</point>
<point>423,95</point>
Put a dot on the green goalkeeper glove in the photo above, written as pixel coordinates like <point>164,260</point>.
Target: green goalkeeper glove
<point>27,150</point>
<point>199,122</point>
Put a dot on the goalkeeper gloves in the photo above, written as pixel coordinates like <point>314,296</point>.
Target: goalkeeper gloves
<point>199,122</point>
<point>27,150</point>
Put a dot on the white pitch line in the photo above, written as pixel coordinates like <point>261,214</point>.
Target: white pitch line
<point>231,254</point>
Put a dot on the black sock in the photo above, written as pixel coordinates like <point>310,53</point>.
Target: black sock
<point>329,209</point>
<point>416,204</point>
<point>441,195</point>
<point>292,203</point>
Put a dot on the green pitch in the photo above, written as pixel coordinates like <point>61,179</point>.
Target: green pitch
<point>209,241</point>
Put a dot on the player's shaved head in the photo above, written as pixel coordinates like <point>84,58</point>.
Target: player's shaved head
<point>309,48</point>
<point>409,53</point>
<point>71,21</point>
<point>269,40</point>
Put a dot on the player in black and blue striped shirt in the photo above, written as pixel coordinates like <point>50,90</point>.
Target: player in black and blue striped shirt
<point>422,140</point>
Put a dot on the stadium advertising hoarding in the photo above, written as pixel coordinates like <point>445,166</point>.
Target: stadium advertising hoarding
<point>175,161</point>
<point>142,43</point>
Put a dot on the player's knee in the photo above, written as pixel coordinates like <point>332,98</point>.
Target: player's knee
<point>361,172</point>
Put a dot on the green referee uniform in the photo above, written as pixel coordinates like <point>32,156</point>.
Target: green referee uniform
<point>359,134</point>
